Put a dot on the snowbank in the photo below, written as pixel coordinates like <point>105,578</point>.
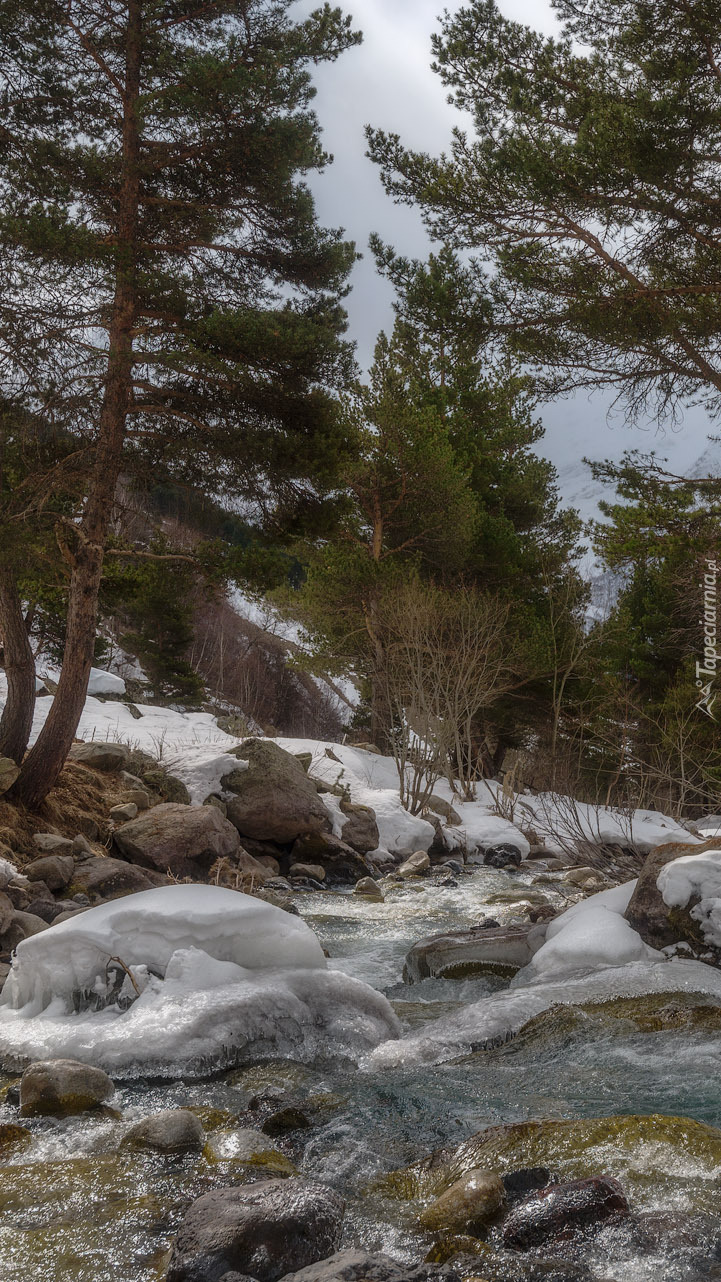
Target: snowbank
<point>696,877</point>
<point>183,980</point>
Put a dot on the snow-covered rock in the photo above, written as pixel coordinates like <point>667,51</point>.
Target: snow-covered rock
<point>105,683</point>
<point>182,980</point>
<point>696,880</point>
<point>591,934</point>
<point>145,931</point>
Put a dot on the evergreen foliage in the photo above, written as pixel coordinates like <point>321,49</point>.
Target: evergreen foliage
<point>590,176</point>
<point>168,294</point>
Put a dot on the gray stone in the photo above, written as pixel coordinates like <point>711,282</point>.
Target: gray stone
<point>360,830</point>
<point>137,797</point>
<point>182,840</point>
<point>81,845</point>
<point>274,800</point>
<point>174,1130</point>
<point>101,756</point>
<point>418,863</point>
<point>459,954</point>
<point>9,772</point>
<point>265,1230</point>
<point>369,889</point>
<point>55,870</point>
<point>60,1087</point>
<point>123,812</point>
<point>104,878</point>
<point>52,844</point>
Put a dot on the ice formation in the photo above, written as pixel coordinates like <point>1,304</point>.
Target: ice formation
<point>496,1019</point>
<point>183,979</point>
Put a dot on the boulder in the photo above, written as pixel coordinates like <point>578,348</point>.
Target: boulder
<point>647,912</point>
<point>478,950</point>
<point>184,840</point>
<point>101,877</point>
<point>55,870</point>
<point>273,798</point>
<point>340,862</point>
<point>360,830</point>
<point>501,855</point>
<point>22,926</point>
<point>60,1087</point>
<point>9,772</point>
<point>470,1203</point>
<point>358,1266</point>
<point>369,889</point>
<point>316,871</point>
<point>266,1230</point>
<point>561,1209</point>
<point>174,1130</point>
<point>101,756</point>
<point>417,863</point>
<point>50,843</point>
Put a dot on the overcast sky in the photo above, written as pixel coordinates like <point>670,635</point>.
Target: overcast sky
<point>387,82</point>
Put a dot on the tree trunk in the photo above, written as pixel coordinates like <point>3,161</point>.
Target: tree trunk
<point>17,718</point>
<point>44,762</point>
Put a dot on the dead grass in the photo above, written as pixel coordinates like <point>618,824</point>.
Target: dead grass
<point>81,797</point>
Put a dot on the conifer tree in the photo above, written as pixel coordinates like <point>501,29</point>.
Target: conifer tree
<point>588,174</point>
<point>168,295</point>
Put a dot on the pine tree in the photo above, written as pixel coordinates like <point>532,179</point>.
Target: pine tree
<point>168,294</point>
<point>589,178</point>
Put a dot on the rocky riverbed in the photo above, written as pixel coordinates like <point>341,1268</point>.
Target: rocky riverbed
<point>382,1161</point>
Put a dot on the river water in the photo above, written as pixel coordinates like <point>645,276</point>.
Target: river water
<point>75,1208</point>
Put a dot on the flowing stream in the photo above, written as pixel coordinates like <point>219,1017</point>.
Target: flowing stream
<point>74,1207</point>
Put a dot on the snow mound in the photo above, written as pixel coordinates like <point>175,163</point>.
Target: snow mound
<point>591,934</point>
<point>146,930</point>
<point>696,877</point>
<point>181,981</point>
<point>496,1019</point>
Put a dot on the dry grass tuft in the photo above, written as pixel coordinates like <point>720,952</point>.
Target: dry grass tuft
<point>81,799</point>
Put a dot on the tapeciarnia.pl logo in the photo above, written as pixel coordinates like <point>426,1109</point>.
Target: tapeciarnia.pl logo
<point>709,666</point>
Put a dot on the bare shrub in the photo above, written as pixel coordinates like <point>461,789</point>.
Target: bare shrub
<point>446,658</point>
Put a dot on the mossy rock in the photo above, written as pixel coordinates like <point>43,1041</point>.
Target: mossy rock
<point>652,1013</point>
<point>13,1138</point>
<point>648,1154</point>
<point>167,787</point>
